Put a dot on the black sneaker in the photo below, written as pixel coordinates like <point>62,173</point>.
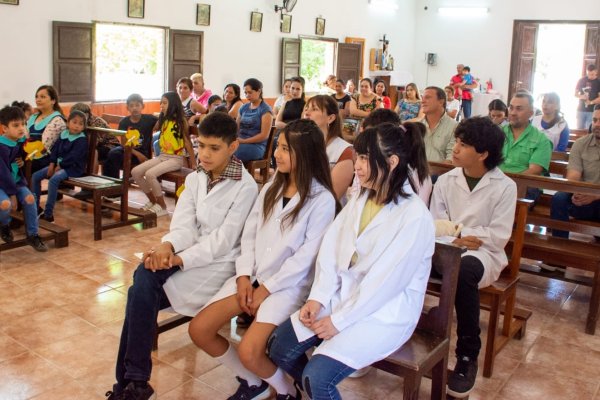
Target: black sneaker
<point>244,320</point>
<point>35,241</point>
<point>135,391</point>
<point>83,195</point>
<point>49,218</point>
<point>289,396</point>
<point>115,394</point>
<point>253,392</point>
<point>6,233</point>
<point>462,379</point>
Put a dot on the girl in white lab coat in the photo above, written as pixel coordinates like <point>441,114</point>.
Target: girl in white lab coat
<point>371,273</point>
<point>274,272</point>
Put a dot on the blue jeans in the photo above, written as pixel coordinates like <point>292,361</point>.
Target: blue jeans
<point>53,183</point>
<point>466,107</point>
<point>562,207</point>
<point>250,151</point>
<point>29,210</point>
<point>584,119</point>
<point>319,375</point>
<point>144,299</point>
<point>155,143</point>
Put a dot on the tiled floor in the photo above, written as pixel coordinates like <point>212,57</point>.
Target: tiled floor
<point>61,314</point>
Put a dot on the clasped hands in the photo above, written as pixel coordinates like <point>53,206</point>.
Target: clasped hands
<point>323,328</point>
<point>161,257</point>
<point>248,297</point>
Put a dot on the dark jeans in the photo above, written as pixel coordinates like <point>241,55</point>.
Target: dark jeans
<point>466,108</point>
<point>114,162</point>
<point>144,299</point>
<point>319,376</point>
<point>562,207</point>
<point>466,303</point>
<point>39,163</point>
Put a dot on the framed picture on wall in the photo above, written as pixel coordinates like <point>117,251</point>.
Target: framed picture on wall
<point>11,2</point>
<point>256,21</point>
<point>286,23</point>
<point>135,8</point>
<point>203,14</point>
<point>320,27</point>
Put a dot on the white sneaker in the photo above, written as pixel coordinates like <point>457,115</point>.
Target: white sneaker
<point>147,206</point>
<point>158,210</point>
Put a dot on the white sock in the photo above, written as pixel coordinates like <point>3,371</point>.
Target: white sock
<point>232,361</point>
<point>281,383</point>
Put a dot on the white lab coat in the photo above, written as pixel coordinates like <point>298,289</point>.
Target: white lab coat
<point>282,260</point>
<point>375,304</point>
<point>205,232</point>
<point>488,212</point>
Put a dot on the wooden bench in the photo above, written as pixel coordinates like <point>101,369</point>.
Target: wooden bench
<point>110,188</point>
<point>559,251</point>
<point>427,351</point>
<point>264,164</point>
<point>112,120</point>
<point>560,155</point>
<point>178,177</point>
<point>48,231</point>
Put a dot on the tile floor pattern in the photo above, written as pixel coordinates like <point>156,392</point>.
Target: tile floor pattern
<point>61,314</point>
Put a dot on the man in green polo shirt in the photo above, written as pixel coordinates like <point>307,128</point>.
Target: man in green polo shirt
<point>526,149</point>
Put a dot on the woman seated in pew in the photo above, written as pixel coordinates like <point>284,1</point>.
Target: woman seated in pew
<point>231,96</point>
<point>552,122</point>
<point>274,271</point>
<point>371,275</point>
<point>283,97</point>
<point>292,109</point>
<point>380,90</point>
<point>254,120</point>
<point>409,108</point>
<point>365,100</point>
<point>474,207</point>
<point>45,126</point>
<point>498,112</point>
<point>201,94</point>
<point>184,90</point>
<point>67,160</point>
<point>342,98</point>
<point>323,110</point>
<point>175,146</point>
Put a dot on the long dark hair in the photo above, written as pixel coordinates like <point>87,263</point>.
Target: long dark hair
<point>236,91</point>
<point>417,159</point>
<point>300,80</point>
<point>174,113</point>
<point>53,94</point>
<point>255,84</point>
<point>330,106</point>
<point>309,161</point>
<point>379,144</point>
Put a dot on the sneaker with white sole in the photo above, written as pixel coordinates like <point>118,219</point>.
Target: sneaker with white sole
<point>254,392</point>
<point>158,210</point>
<point>462,379</point>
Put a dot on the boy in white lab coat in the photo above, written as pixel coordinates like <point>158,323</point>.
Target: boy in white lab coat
<point>479,197</point>
<point>194,259</point>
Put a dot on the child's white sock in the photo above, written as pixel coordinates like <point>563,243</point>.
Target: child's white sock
<point>281,383</point>
<point>232,361</point>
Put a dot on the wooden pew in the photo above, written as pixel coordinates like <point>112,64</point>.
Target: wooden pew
<point>110,188</point>
<point>112,120</point>
<point>178,177</point>
<point>264,164</point>
<point>560,155</point>
<point>48,231</point>
<point>427,350</point>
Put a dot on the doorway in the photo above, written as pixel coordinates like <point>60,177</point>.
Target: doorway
<point>560,49</point>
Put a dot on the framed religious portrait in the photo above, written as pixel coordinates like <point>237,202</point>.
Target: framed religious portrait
<point>256,21</point>
<point>11,2</point>
<point>320,27</point>
<point>286,23</point>
<point>203,14</point>
<point>135,8</point>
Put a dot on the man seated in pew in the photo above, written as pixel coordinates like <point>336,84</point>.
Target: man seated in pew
<point>13,186</point>
<point>144,124</point>
<point>584,165</point>
<point>474,207</point>
<point>526,150</point>
<point>439,138</point>
<point>68,159</point>
<point>194,259</point>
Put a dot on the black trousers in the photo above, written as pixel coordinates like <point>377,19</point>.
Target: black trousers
<point>467,307</point>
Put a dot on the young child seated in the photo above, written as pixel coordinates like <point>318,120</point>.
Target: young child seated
<point>194,259</point>
<point>479,197</point>
<point>371,274</point>
<point>67,160</point>
<point>274,272</point>
<point>175,146</point>
<point>13,186</point>
<point>136,121</point>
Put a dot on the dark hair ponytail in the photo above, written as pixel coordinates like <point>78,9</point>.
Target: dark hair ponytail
<point>417,158</point>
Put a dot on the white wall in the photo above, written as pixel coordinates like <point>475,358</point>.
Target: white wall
<point>231,54</point>
<point>483,43</point>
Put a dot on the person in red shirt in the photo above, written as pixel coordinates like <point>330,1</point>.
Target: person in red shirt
<point>462,91</point>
